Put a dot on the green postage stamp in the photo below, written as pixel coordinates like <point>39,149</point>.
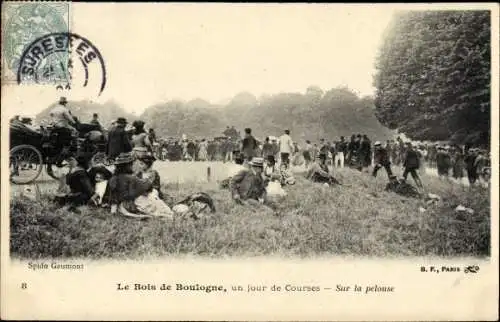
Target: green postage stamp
<point>25,22</point>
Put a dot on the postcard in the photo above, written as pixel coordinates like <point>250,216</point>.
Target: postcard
<point>249,161</point>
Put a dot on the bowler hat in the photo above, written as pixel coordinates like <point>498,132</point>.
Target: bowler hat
<point>124,158</point>
<point>121,120</point>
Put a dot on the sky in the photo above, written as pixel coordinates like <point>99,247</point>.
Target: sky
<point>157,52</point>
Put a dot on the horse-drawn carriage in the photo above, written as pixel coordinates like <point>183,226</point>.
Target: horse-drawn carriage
<point>31,150</point>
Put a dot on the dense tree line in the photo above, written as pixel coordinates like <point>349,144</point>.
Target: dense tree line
<point>433,76</point>
<point>311,115</point>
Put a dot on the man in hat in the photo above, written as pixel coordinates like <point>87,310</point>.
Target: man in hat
<point>64,124</point>
<point>61,116</point>
<point>381,157</point>
<point>319,172</point>
<point>249,184</point>
<point>411,164</point>
<point>118,140</point>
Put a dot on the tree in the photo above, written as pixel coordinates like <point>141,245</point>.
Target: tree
<point>433,76</point>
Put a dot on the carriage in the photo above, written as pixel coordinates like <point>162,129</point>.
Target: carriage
<point>32,150</point>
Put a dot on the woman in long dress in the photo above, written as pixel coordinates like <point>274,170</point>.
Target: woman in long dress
<point>141,144</point>
<point>203,150</point>
<point>127,191</point>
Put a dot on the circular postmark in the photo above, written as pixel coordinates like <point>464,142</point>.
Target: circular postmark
<point>63,59</point>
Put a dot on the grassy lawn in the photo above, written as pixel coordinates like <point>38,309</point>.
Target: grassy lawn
<point>357,219</point>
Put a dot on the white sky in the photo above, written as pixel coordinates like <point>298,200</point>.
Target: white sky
<point>156,52</point>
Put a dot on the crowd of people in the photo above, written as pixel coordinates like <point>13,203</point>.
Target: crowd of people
<point>260,169</point>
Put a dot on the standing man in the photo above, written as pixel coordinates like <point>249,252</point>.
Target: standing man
<point>118,140</point>
<point>286,148</point>
<point>365,154</point>
<point>411,164</point>
<point>341,152</point>
<point>249,145</point>
<point>382,159</point>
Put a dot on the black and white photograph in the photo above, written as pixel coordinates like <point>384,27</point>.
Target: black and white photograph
<point>139,132</point>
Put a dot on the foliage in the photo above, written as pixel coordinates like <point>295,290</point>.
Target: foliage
<point>312,115</point>
<point>433,76</point>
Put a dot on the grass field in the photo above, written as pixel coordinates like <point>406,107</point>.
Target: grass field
<point>356,219</point>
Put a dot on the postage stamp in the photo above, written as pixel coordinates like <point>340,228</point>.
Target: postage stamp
<point>23,23</point>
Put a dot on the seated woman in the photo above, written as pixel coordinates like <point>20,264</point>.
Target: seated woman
<point>272,174</point>
<point>125,188</point>
<point>145,171</point>
<point>271,170</point>
<point>99,177</point>
<point>286,173</point>
<point>133,196</point>
<point>80,185</point>
<point>319,171</point>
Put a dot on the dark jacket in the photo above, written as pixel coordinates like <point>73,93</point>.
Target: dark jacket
<point>118,142</point>
<point>412,160</point>
<point>127,187</point>
<point>267,149</point>
<point>247,185</point>
<point>249,146</point>
<point>381,156</point>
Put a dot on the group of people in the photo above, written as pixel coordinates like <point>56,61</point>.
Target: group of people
<point>133,189</point>
<point>261,168</point>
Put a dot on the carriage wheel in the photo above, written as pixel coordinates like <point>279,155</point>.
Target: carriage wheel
<point>25,164</point>
<point>100,158</point>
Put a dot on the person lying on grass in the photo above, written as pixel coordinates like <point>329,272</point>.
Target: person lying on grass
<point>80,185</point>
<point>319,172</point>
